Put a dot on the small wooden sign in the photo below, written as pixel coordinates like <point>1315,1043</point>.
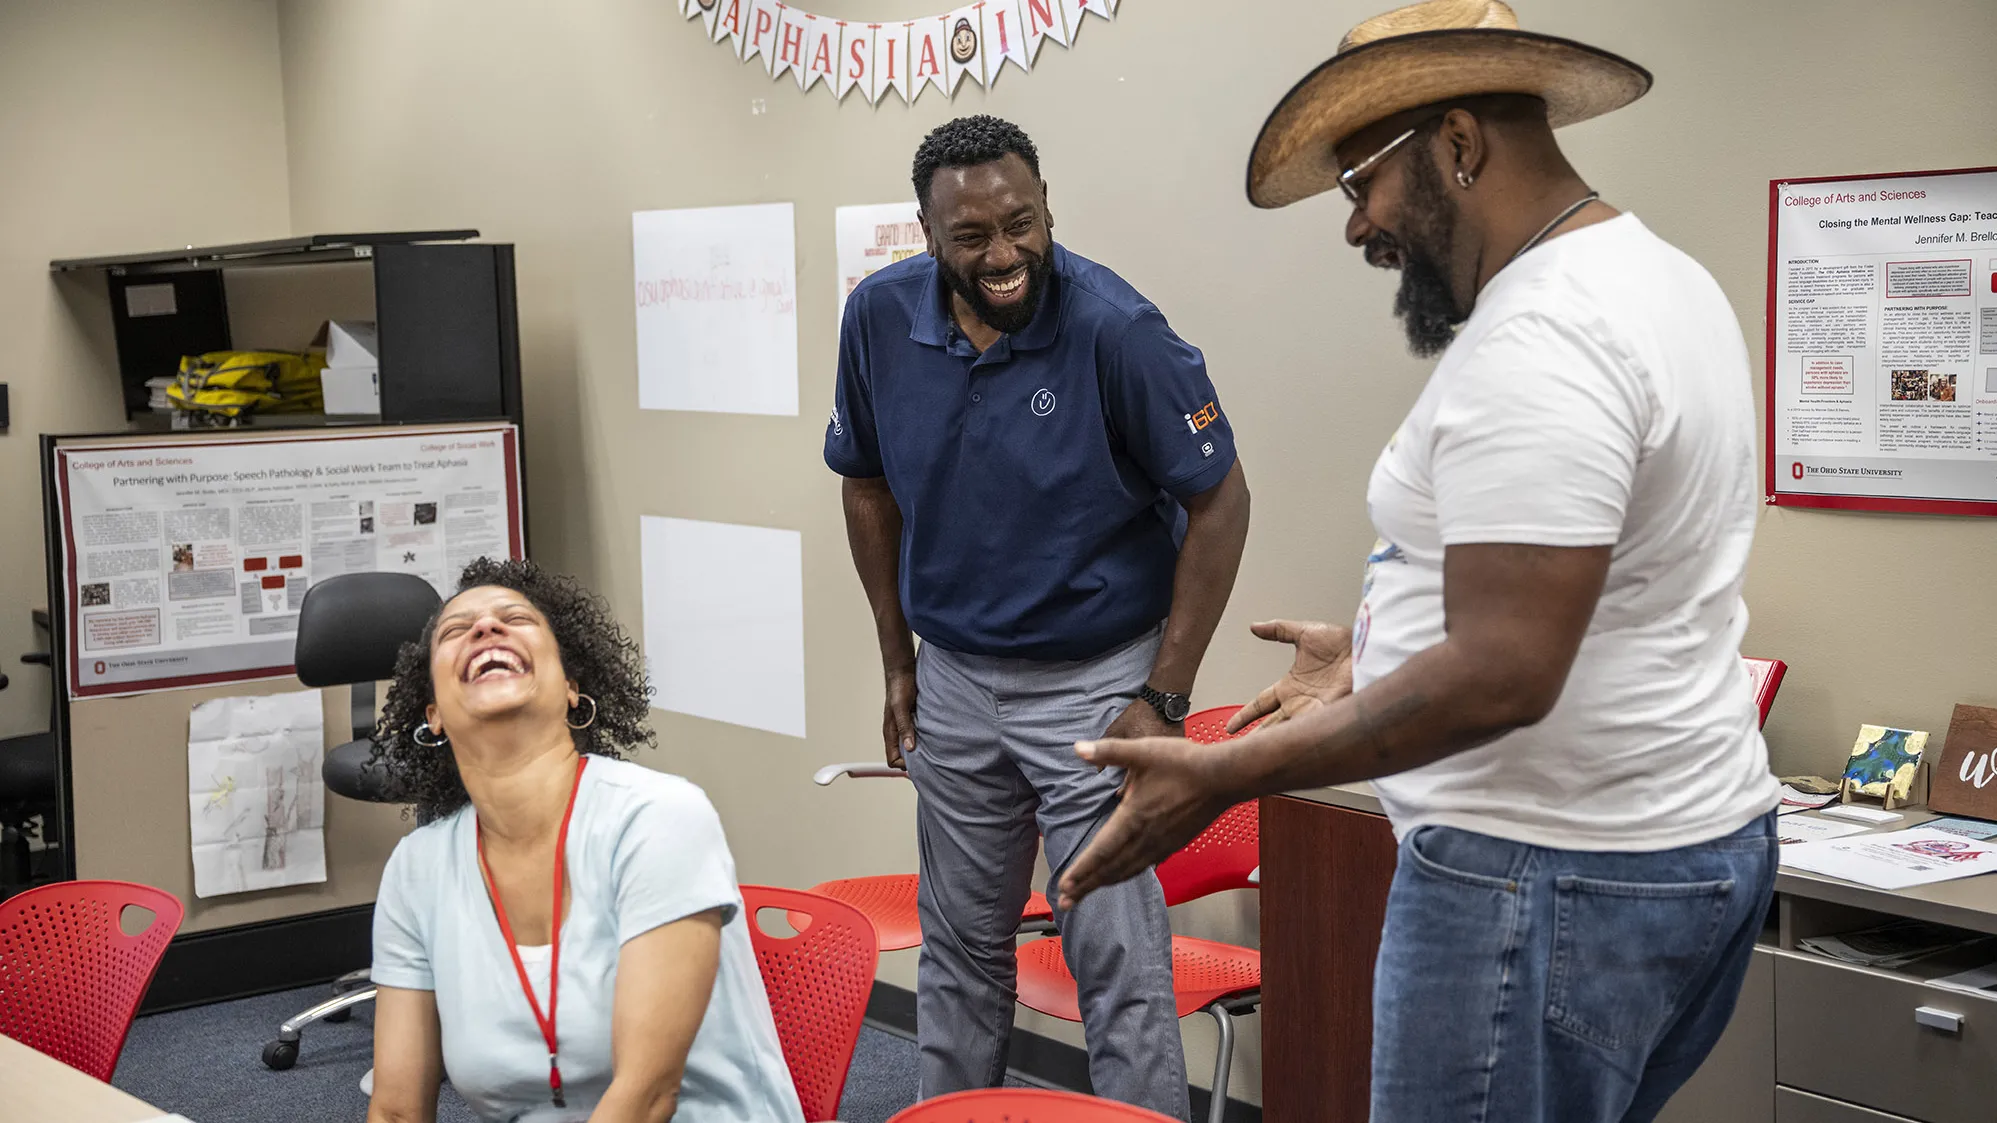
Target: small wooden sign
<point>1965,778</point>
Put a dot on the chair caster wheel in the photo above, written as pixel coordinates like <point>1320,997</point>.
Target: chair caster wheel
<point>338,1016</point>
<point>280,1055</point>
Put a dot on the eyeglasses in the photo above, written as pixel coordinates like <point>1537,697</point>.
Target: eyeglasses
<point>1348,179</point>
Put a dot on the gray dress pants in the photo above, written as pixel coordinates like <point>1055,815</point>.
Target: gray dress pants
<point>995,766</point>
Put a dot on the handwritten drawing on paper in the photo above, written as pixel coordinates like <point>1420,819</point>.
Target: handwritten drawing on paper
<point>256,803</point>
<point>716,300</point>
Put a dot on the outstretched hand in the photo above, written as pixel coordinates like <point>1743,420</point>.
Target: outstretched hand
<point>1172,789</point>
<point>1321,674</point>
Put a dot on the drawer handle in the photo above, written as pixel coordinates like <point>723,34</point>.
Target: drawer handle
<point>1947,1021</point>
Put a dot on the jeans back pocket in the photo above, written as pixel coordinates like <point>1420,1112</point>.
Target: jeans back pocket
<point>1624,954</point>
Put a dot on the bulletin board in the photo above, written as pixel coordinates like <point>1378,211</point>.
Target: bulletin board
<point>1882,342</point>
<point>184,558</point>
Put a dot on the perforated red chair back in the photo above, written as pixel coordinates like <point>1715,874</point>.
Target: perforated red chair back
<point>1766,675</point>
<point>1024,1105</point>
<point>1222,856</point>
<point>818,982</point>
<point>70,978</point>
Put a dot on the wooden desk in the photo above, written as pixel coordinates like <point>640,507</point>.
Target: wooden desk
<point>41,1089</point>
<point>1328,858</point>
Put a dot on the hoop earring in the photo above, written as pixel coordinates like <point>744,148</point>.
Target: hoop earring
<point>1464,179</point>
<point>592,714</point>
<point>416,735</point>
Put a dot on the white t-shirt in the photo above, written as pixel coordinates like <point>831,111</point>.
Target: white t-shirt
<point>1598,395</point>
<point>644,849</point>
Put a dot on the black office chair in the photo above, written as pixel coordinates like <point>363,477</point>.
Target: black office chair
<point>350,629</point>
<point>28,793</point>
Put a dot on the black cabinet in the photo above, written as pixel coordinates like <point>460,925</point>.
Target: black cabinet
<point>444,309</point>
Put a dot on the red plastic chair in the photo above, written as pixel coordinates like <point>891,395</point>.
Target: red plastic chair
<point>1766,676</point>
<point>1024,1105</point>
<point>70,978</point>
<point>818,982</point>
<point>1222,979</point>
<point>889,899</point>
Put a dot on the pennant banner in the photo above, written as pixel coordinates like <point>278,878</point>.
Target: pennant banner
<point>971,44</point>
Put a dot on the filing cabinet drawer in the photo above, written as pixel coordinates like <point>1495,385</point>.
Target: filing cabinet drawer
<point>1792,1106</point>
<point>1852,1035</point>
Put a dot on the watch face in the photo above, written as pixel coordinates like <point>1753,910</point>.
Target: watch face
<point>1176,709</point>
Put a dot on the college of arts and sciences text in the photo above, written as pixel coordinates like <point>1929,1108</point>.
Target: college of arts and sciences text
<point>1882,349</point>
<point>185,560</point>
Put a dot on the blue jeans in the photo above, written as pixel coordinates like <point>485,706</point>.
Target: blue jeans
<point>1518,984</point>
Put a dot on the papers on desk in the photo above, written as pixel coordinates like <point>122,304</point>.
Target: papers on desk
<point>1976,980</point>
<point>1795,799</point>
<point>1895,860</point>
<point>1968,828</point>
<point>1890,945</point>
<point>1794,829</point>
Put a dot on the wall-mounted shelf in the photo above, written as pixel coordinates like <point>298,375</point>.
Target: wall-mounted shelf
<point>444,307</point>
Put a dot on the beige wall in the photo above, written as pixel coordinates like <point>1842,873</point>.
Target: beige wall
<point>125,125</point>
<point>546,125</point>
<point>548,131</point>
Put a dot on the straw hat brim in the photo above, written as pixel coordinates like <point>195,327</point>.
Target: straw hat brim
<point>1293,157</point>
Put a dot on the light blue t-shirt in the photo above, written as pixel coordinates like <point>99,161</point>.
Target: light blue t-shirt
<point>644,849</point>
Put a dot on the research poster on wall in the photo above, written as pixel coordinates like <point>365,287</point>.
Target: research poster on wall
<point>185,560</point>
<point>872,237</point>
<point>1882,342</point>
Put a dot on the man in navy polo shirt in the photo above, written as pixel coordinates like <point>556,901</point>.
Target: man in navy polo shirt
<point>1040,483</point>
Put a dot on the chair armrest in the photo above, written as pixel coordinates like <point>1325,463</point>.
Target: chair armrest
<point>859,770</point>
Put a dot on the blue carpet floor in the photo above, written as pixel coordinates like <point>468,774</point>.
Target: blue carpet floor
<point>205,1064</point>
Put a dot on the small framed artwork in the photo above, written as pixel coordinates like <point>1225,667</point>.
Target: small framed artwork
<point>1883,764</point>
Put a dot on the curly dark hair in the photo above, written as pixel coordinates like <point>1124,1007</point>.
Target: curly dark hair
<point>967,142</point>
<point>603,661</point>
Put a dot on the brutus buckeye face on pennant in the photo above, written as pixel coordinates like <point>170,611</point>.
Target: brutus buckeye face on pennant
<point>963,42</point>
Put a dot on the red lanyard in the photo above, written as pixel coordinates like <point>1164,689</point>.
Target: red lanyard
<point>547,1023</point>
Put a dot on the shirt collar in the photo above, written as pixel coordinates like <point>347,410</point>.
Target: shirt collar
<point>933,324</point>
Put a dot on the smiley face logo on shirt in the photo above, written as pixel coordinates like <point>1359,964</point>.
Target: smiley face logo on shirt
<point>1043,402</point>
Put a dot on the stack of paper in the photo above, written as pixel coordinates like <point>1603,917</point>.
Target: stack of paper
<point>1889,945</point>
<point>1796,799</point>
<point>156,399</point>
<point>1895,860</point>
<point>1794,830</point>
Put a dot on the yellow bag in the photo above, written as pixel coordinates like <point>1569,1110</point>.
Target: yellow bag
<point>232,383</point>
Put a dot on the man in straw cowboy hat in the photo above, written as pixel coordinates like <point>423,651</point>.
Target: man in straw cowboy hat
<point>1543,679</point>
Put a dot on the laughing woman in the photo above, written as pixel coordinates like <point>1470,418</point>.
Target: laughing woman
<point>564,935</point>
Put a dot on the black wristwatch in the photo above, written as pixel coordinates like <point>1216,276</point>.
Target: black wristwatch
<point>1172,707</point>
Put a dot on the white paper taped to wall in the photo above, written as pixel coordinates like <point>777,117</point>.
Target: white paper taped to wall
<point>724,621</point>
<point>716,291</point>
<point>872,237</point>
<point>255,801</point>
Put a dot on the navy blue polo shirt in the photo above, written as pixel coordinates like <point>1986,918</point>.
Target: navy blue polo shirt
<point>1038,482</point>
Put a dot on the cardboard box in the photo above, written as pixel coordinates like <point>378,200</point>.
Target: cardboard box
<point>352,390</point>
<point>351,343</point>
